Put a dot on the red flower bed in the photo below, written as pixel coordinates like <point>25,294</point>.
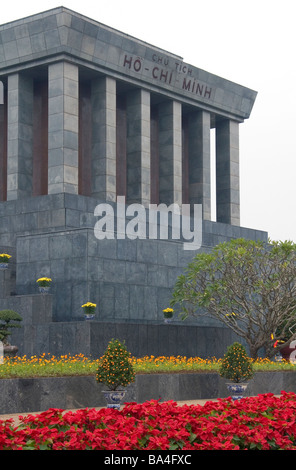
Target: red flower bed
<point>263,422</point>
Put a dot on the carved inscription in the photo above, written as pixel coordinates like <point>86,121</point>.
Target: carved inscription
<point>195,87</point>
<point>169,72</point>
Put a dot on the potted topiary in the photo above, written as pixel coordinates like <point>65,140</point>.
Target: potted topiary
<point>8,319</point>
<point>237,367</point>
<point>115,371</point>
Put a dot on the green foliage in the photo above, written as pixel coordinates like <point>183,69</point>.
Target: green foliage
<point>236,365</point>
<point>115,367</point>
<point>8,319</point>
<point>248,285</point>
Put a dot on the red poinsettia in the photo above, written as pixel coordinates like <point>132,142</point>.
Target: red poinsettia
<point>263,422</point>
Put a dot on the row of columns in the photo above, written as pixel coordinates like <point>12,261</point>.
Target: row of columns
<point>147,145</point>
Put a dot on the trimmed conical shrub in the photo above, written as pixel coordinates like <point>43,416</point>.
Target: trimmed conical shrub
<point>236,366</point>
<point>115,369</point>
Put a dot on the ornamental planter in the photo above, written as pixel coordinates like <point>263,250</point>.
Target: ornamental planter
<point>44,289</point>
<point>114,398</point>
<point>44,284</point>
<point>89,316</point>
<point>168,315</point>
<point>89,310</point>
<point>289,352</point>
<point>237,390</point>
<point>4,260</point>
<point>10,350</point>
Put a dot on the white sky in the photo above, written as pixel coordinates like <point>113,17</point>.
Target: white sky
<point>251,42</point>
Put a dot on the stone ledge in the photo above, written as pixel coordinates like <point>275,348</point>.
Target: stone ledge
<point>34,309</point>
<point>39,394</point>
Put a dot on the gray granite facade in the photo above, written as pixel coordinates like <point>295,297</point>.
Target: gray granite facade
<point>88,114</point>
<point>129,279</point>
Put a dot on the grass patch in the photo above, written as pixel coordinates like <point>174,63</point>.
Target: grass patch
<point>51,366</point>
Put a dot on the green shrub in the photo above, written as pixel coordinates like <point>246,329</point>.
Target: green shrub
<point>115,367</point>
<point>236,366</point>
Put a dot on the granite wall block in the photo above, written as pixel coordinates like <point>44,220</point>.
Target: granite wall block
<point>141,338</point>
<point>39,394</point>
<point>34,309</point>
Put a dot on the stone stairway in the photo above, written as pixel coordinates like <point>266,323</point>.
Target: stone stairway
<point>34,309</point>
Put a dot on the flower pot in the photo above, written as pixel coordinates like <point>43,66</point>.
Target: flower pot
<point>288,353</point>
<point>44,289</point>
<point>237,390</point>
<point>168,315</point>
<point>10,350</point>
<point>4,260</point>
<point>89,316</point>
<point>89,310</point>
<point>113,398</point>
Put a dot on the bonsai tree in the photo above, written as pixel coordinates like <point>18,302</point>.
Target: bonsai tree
<point>115,368</point>
<point>8,319</point>
<point>236,366</point>
<point>250,286</point>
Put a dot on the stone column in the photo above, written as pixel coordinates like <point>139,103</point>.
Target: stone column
<point>63,128</point>
<point>227,172</point>
<point>170,152</point>
<point>19,137</point>
<point>138,147</point>
<point>199,161</point>
<point>104,138</point>
<point>3,142</point>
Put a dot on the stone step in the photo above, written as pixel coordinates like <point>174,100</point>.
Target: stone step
<point>34,309</point>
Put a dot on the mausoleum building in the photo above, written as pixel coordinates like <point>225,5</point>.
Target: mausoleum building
<point>88,115</point>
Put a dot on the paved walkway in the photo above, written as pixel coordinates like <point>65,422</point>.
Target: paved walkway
<point>15,416</point>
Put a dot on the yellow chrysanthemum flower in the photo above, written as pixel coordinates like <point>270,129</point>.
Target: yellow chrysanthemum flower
<point>88,304</point>
<point>44,279</point>
<point>4,256</point>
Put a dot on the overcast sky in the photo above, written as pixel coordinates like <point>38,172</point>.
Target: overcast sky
<point>251,42</point>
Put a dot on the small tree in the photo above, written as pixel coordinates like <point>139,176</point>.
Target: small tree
<point>115,367</point>
<point>8,319</point>
<point>250,286</point>
<point>236,365</point>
